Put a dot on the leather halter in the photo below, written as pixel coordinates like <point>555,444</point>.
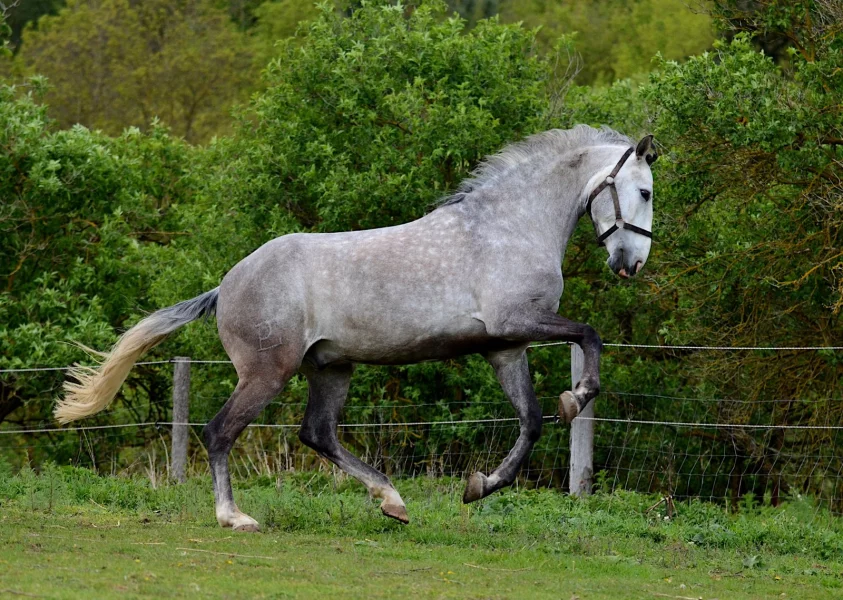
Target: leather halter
<point>619,222</point>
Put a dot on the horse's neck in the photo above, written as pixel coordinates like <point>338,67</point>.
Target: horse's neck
<point>545,204</point>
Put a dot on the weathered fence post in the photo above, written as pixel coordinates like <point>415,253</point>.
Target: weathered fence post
<point>181,416</point>
<point>582,436</point>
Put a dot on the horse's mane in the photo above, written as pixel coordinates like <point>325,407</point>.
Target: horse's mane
<point>545,145</point>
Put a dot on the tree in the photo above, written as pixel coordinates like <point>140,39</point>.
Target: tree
<point>284,15</point>
<point>774,27</point>
<point>473,10</point>
<point>754,253</point>
<point>616,38</point>
<point>113,63</point>
<point>5,32</point>
<point>22,12</point>
<point>373,117</point>
<point>276,21</point>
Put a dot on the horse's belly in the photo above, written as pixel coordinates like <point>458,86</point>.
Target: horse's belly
<point>402,344</point>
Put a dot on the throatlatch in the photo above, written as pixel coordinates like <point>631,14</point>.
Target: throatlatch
<point>619,222</point>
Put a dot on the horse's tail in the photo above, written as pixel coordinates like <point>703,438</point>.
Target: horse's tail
<point>97,387</point>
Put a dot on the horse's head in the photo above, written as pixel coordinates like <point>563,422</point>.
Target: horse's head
<point>621,207</point>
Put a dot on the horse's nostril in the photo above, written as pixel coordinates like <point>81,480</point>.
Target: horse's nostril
<point>638,266</point>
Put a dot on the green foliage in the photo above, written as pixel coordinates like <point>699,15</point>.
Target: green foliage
<point>5,34</point>
<point>22,12</point>
<point>113,63</point>
<point>755,159</point>
<point>275,21</point>
<point>751,222</point>
<point>619,104</point>
<point>78,205</point>
<point>373,117</point>
<point>119,63</point>
<point>617,38</point>
<point>474,10</point>
<point>777,26</point>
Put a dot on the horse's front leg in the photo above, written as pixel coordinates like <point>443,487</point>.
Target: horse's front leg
<point>532,323</point>
<point>514,377</point>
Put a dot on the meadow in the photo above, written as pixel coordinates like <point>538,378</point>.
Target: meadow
<point>135,172</point>
<point>69,533</point>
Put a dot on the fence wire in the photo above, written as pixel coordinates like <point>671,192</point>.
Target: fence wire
<point>693,347</point>
<point>715,449</point>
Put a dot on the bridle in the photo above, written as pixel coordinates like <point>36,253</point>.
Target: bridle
<point>619,222</point>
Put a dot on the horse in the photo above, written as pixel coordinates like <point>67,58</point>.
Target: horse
<point>480,273</point>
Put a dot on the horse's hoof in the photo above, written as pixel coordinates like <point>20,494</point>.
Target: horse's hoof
<point>247,528</point>
<point>569,408</point>
<point>395,511</point>
<point>474,490</point>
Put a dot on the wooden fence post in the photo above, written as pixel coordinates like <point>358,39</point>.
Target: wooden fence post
<point>582,436</point>
<point>181,416</point>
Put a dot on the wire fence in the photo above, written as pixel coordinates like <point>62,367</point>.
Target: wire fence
<point>541,345</point>
<point>715,449</point>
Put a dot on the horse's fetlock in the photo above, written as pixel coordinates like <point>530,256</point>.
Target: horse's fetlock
<point>588,387</point>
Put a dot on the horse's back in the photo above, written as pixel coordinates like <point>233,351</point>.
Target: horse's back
<point>396,294</point>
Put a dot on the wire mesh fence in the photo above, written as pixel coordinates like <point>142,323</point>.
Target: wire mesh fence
<point>716,449</point>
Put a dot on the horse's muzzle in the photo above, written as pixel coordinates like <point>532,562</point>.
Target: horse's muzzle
<point>621,269</point>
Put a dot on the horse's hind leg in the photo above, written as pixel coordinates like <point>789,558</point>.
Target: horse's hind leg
<point>328,388</point>
<point>514,377</point>
<point>257,388</point>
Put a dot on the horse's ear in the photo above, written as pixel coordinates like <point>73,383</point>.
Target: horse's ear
<point>646,149</point>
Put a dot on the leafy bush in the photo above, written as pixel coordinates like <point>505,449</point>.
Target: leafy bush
<point>78,206</point>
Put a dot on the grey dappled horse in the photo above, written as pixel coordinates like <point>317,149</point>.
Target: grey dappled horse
<point>482,273</point>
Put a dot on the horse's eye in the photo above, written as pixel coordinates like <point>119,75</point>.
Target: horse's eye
<point>645,194</point>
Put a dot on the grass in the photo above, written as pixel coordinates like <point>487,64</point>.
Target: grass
<point>68,533</point>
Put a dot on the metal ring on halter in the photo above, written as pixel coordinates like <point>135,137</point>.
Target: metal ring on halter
<point>619,222</point>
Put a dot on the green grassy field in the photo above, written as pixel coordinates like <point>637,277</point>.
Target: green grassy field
<point>67,533</point>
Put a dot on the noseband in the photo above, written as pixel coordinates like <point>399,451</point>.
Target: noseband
<point>619,222</point>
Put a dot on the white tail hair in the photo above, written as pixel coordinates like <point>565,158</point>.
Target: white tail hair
<point>95,387</point>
